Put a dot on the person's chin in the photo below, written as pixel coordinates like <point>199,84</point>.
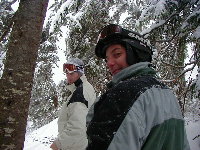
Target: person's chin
<point>69,83</point>
<point>115,72</point>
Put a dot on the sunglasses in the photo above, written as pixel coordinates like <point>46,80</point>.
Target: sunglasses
<point>108,30</point>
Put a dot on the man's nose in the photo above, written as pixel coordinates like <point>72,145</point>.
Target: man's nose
<point>110,62</point>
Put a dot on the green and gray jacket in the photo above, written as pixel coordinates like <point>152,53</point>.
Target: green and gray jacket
<point>137,113</point>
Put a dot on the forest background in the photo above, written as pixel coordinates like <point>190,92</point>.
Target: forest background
<point>31,46</point>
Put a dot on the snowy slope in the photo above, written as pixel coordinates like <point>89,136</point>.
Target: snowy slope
<point>193,133</point>
<point>42,138</point>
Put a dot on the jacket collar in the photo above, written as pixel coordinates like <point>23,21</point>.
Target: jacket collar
<point>72,87</point>
<point>142,68</point>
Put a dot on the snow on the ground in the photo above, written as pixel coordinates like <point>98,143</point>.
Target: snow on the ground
<point>193,134</point>
<point>42,138</point>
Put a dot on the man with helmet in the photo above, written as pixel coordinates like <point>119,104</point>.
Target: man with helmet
<point>72,116</point>
<point>137,112</point>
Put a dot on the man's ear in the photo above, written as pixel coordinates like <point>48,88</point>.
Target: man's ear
<point>132,57</point>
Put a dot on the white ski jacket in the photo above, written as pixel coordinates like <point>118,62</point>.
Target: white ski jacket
<point>72,116</point>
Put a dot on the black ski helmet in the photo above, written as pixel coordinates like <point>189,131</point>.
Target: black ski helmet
<point>138,49</point>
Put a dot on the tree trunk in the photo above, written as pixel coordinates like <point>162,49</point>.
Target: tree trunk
<point>17,79</point>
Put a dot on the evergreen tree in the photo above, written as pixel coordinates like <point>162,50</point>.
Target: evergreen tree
<point>6,21</point>
<point>173,26</point>
<point>44,89</point>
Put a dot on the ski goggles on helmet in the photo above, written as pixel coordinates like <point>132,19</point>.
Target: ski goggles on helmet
<point>108,30</point>
<point>69,68</point>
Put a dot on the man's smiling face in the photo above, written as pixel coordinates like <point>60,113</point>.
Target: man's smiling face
<point>116,58</point>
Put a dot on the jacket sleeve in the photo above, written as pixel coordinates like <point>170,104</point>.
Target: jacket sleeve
<point>73,135</point>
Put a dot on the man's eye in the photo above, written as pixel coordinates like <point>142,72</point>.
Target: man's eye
<point>117,55</point>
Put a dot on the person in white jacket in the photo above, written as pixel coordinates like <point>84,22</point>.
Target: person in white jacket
<point>72,116</point>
